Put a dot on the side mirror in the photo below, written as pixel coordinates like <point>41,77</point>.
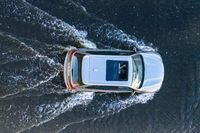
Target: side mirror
<point>135,49</point>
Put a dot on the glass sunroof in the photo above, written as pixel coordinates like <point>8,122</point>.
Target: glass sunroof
<point>116,70</point>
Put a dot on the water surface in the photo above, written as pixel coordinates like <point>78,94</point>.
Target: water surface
<point>33,34</point>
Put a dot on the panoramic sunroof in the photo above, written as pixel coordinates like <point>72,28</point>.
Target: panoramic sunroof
<point>116,70</point>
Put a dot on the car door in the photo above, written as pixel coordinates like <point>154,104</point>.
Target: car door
<point>109,89</point>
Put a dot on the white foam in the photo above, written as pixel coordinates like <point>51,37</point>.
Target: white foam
<point>70,32</point>
<point>114,106</point>
<point>31,83</point>
<point>119,35</point>
<point>26,12</point>
<point>118,105</point>
<point>47,112</point>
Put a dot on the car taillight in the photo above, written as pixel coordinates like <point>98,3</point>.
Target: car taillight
<point>69,80</point>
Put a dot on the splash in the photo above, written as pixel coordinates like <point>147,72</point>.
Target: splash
<point>112,106</point>
<point>118,105</point>
<point>48,26</point>
<point>100,30</point>
<point>19,78</point>
<point>57,29</point>
<point>122,37</point>
<point>47,112</point>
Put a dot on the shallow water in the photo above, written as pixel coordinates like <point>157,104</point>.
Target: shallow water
<point>33,34</point>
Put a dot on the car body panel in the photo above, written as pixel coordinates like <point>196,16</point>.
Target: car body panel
<point>93,71</point>
<point>153,71</point>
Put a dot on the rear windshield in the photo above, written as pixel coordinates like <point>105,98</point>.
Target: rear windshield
<point>116,70</point>
<point>75,69</point>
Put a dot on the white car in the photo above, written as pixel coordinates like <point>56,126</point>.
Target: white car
<point>118,71</point>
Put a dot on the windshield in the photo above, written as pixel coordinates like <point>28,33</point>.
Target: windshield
<point>138,71</point>
<point>74,69</point>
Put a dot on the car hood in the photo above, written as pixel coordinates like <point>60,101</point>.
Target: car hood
<point>153,72</point>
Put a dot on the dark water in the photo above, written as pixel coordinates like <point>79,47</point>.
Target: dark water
<point>33,34</point>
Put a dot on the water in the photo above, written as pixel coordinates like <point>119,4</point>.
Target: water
<point>33,34</point>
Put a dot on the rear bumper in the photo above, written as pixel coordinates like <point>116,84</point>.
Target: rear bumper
<point>68,70</point>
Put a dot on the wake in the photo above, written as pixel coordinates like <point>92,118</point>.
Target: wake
<point>59,30</point>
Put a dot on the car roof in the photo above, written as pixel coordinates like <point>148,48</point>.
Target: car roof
<point>94,70</point>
